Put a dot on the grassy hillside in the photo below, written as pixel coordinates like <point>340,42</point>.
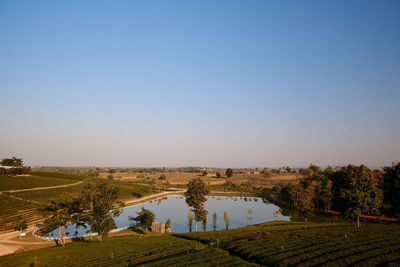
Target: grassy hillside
<point>25,203</point>
<point>35,179</point>
<point>126,190</point>
<point>272,245</point>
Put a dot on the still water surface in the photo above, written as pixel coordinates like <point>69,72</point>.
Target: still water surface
<point>242,212</point>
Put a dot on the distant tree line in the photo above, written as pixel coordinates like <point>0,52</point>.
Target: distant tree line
<point>352,190</point>
<point>13,166</point>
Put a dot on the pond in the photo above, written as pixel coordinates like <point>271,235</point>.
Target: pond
<point>242,211</point>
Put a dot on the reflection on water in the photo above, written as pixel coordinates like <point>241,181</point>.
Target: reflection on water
<point>241,211</point>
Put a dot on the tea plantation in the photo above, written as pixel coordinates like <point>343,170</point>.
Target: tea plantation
<point>311,245</point>
<point>37,179</point>
<point>25,203</point>
<point>285,244</point>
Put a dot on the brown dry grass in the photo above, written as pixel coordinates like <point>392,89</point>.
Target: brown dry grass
<point>179,178</point>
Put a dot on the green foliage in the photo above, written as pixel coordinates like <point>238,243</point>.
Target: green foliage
<point>218,174</point>
<point>229,172</point>
<point>214,224</point>
<point>391,187</point>
<point>162,177</point>
<point>146,217</point>
<point>97,202</point>
<point>137,195</point>
<point>112,171</point>
<point>314,191</point>
<point>328,171</point>
<point>204,173</point>
<point>195,197</point>
<point>110,176</point>
<point>358,189</point>
<point>60,214</point>
<point>168,223</point>
<point>204,222</point>
<point>14,170</point>
<point>15,162</point>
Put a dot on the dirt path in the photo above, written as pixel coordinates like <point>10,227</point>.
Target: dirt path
<point>8,246</point>
<point>144,199</point>
<point>178,191</point>
<point>40,188</point>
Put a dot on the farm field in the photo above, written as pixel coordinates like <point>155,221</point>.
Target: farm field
<point>126,190</point>
<point>182,178</point>
<point>36,179</point>
<point>152,250</point>
<point>25,203</point>
<point>311,245</point>
<point>280,244</point>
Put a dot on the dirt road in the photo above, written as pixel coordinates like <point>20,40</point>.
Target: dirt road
<point>40,188</point>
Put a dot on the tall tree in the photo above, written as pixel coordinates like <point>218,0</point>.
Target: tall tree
<point>204,222</point>
<point>306,196</point>
<point>229,172</point>
<point>391,178</point>
<point>13,162</point>
<point>101,205</point>
<point>277,213</point>
<point>190,219</point>
<point>359,191</point>
<point>195,198</point>
<point>146,217</point>
<point>214,225</point>
<point>227,220</point>
<point>168,225</point>
<point>61,213</point>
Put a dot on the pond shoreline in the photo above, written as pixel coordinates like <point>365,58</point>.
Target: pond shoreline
<point>131,202</point>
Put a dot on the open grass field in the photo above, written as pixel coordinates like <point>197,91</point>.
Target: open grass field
<point>282,244</point>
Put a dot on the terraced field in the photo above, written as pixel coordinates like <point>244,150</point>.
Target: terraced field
<point>36,179</point>
<point>11,208</point>
<point>160,250</point>
<point>25,203</point>
<point>313,245</point>
<point>284,244</point>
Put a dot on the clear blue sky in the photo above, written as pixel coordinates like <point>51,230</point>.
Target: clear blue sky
<point>205,83</point>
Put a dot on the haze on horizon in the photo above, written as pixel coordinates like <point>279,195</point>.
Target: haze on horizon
<point>206,83</point>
